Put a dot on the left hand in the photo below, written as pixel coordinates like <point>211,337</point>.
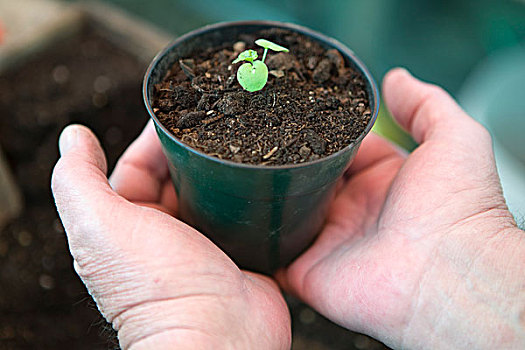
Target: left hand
<point>162,284</point>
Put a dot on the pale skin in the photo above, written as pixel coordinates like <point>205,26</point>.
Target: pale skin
<point>419,251</point>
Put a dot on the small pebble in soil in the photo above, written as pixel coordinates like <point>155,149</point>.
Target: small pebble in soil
<point>239,46</point>
<point>316,142</point>
<point>282,61</point>
<point>311,62</point>
<point>336,58</point>
<point>277,73</point>
<point>322,71</point>
<point>234,149</point>
<point>189,119</point>
<point>305,152</point>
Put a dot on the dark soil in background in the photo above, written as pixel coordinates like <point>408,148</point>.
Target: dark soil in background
<point>43,304</point>
<point>312,106</point>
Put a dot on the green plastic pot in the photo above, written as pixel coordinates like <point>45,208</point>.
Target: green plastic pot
<point>261,216</point>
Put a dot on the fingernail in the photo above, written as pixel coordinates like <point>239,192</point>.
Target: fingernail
<point>68,139</point>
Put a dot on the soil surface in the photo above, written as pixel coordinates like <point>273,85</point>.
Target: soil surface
<point>312,106</point>
<point>43,304</point>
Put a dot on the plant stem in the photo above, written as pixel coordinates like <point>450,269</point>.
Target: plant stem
<point>264,55</point>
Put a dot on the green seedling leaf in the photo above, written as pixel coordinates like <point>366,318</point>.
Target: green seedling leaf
<point>252,76</point>
<point>248,55</point>
<point>267,44</point>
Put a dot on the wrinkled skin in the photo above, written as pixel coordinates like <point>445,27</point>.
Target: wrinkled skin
<point>418,251</point>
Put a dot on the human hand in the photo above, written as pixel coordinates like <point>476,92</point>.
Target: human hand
<point>420,251</point>
<point>160,283</point>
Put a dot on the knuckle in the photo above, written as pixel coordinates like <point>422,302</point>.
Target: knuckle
<point>90,266</point>
<point>482,132</point>
<point>436,91</point>
<point>480,136</point>
<point>59,175</point>
<point>426,109</point>
<point>64,175</point>
<point>433,94</point>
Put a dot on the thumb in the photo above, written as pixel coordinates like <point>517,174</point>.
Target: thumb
<point>448,136</point>
<point>77,141</point>
<point>80,187</point>
<point>455,155</point>
<point>427,111</point>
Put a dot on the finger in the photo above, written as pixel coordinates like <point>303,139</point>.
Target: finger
<point>167,202</point>
<point>426,110</point>
<point>142,171</point>
<point>367,181</point>
<point>373,150</point>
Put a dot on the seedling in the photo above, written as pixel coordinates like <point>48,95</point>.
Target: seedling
<point>253,74</point>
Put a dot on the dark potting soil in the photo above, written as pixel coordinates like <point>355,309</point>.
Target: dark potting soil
<point>87,80</point>
<point>313,105</point>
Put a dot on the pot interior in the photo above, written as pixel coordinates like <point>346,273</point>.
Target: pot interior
<point>218,34</point>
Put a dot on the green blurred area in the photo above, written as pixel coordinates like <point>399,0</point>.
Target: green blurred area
<point>438,41</point>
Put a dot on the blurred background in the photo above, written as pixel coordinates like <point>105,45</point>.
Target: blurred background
<point>83,61</point>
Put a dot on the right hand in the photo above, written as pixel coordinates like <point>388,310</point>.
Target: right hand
<point>420,251</point>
